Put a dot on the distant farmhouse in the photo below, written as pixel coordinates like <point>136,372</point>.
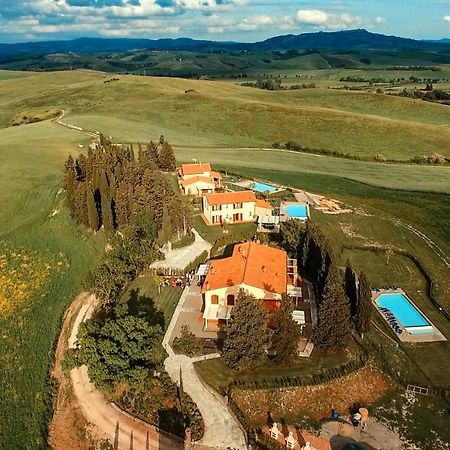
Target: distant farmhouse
<point>263,271</point>
<point>198,179</point>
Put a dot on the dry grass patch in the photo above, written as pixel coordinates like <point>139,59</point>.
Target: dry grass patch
<point>365,387</point>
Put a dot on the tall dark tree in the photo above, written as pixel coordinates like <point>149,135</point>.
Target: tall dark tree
<point>292,236</point>
<point>70,182</point>
<point>351,288</point>
<point>94,221</point>
<point>167,159</point>
<point>364,305</point>
<point>286,332</point>
<point>247,335</point>
<point>333,329</point>
<point>151,156</point>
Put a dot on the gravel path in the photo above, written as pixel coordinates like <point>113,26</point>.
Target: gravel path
<point>122,429</point>
<point>222,430</point>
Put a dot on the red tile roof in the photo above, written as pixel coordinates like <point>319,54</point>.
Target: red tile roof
<point>263,204</point>
<point>216,175</point>
<point>254,264</point>
<point>225,198</point>
<point>194,169</point>
<point>196,179</point>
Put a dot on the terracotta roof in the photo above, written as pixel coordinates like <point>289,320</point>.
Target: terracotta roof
<point>254,264</point>
<point>225,198</point>
<point>263,204</point>
<point>217,175</point>
<point>194,169</point>
<point>197,179</point>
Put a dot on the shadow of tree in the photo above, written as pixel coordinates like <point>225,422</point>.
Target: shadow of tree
<point>339,442</point>
<point>143,306</point>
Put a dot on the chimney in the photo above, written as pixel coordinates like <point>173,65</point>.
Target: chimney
<point>213,270</point>
<point>264,269</point>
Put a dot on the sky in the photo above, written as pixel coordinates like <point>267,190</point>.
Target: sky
<point>222,20</point>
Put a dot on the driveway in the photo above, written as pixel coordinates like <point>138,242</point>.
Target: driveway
<point>180,258</point>
<point>222,430</point>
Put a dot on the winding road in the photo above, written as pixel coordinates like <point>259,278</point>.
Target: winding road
<point>120,428</point>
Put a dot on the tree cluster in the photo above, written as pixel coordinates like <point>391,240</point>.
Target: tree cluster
<point>118,348</point>
<point>249,340</point>
<point>112,185</point>
<point>130,251</point>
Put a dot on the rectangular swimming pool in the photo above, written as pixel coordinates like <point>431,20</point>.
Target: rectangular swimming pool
<point>405,312</point>
<point>263,187</point>
<point>297,211</point>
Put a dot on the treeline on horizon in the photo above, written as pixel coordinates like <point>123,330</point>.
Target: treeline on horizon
<point>113,184</point>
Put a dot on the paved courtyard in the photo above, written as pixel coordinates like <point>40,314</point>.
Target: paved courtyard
<point>181,257</point>
<point>191,314</point>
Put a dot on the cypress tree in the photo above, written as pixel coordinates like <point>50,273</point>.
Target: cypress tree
<point>107,215</point>
<point>286,332</point>
<point>93,219</point>
<point>152,156</point>
<point>350,288</point>
<point>364,305</point>
<point>333,329</point>
<point>166,227</point>
<point>70,183</point>
<point>167,159</point>
<point>247,335</point>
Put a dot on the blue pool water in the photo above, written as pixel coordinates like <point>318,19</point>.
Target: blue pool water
<point>263,187</point>
<point>297,211</point>
<point>405,312</point>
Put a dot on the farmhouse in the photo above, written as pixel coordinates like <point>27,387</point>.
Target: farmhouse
<point>263,271</point>
<point>229,207</point>
<point>198,179</point>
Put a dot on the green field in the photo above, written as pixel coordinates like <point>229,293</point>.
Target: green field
<point>223,114</point>
<point>44,256</point>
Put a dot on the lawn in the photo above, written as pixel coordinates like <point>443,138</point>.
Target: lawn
<point>212,233</point>
<point>44,259</point>
<point>145,291</point>
<point>218,375</point>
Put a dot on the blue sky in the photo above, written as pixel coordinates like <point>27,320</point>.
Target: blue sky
<point>240,20</point>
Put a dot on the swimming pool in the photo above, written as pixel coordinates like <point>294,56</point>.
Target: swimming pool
<point>405,312</point>
<point>297,211</point>
<point>263,187</point>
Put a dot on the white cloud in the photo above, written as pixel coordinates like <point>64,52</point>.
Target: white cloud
<point>447,18</point>
<point>380,20</point>
<point>322,19</point>
<point>313,16</point>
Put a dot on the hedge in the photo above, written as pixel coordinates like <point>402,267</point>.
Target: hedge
<point>292,381</point>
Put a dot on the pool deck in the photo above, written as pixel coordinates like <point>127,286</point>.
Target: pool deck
<point>248,184</point>
<point>436,336</point>
<point>284,216</point>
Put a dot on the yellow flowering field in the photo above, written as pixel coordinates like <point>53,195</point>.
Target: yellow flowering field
<point>22,274</point>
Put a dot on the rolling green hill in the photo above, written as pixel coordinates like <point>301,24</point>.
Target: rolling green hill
<point>44,256</point>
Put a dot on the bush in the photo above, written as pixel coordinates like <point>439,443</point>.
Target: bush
<point>184,241</point>
<point>186,342</point>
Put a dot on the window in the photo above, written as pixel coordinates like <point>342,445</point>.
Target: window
<point>237,205</point>
<point>230,299</point>
<point>214,299</point>
<point>217,207</point>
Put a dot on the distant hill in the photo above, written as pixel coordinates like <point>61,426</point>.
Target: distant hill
<point>343,40</point>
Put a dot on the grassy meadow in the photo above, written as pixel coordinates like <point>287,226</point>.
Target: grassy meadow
<point>44,256</point>
<point>210,113</point>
